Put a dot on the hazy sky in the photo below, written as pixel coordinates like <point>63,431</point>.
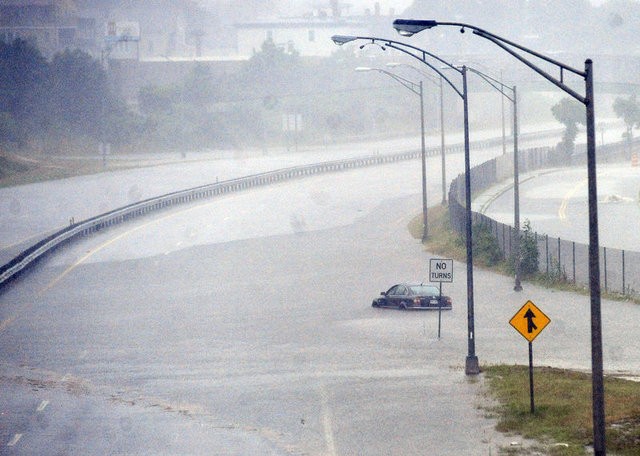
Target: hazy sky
<point>385,5</point>
<point>296,7</point>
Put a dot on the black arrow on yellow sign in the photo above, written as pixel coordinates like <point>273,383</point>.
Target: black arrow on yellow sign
<point>529,316</point>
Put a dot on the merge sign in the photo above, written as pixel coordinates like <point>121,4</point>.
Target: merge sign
<point>529,321</point>
<point>440,270</point>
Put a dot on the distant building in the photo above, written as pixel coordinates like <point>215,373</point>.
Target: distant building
<point>51,26</point>
<point>309,35</point>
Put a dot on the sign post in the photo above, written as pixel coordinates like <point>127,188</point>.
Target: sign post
<point>440,270</point>
<point>529,321</point>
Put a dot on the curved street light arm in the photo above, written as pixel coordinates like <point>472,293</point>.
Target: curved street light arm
<point>408,27</point>
<point>420,54</point>
<point>433,67</point>
<point>499,86</point>
<point>423,74</point>
<point>414,87</point>
<point>558,82</point>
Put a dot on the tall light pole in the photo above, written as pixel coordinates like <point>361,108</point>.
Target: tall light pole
<point>417,89</point>
<point>439,83</point>
<point>409,27</point>
<point>513,98</point>
<point>472,366</point>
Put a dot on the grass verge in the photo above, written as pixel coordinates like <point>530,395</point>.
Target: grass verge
<point>563,409</point>
<point>25,169</point>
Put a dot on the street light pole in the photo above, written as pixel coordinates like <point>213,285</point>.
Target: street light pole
<point>516,195</point>
<point>440,85</point>
<point>425,227</point>
<point>500,87</point>
<point>599,443</point>
<point>442,148</point>
<point>472,366</point>
<point>418,90</point>
<point>409,27</point>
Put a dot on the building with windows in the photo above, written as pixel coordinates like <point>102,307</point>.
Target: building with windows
<point>310,37</point>
<point>51,26</point>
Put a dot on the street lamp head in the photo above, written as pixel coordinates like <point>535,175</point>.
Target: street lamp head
<point>363,69</point>
<point>409,27</point>
<point>342,39</point>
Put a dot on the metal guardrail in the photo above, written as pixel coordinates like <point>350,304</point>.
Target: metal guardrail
<point>41,249</point>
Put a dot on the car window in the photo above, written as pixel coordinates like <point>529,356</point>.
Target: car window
<point>393,290</point>
<point>425,290</point>
<point>402,290</point>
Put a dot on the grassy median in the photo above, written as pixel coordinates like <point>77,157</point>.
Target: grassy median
<point>562,422</point>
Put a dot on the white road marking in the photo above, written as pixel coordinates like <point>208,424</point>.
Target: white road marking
<point>16,438</point>
<point>97,249</point>
<point>327,425</point>
<point>42,406</point>
<point>562,211</point>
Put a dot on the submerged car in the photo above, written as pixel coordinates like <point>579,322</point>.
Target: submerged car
<point>407,296</point>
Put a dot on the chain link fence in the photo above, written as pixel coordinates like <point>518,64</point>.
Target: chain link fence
<point>558,258</point>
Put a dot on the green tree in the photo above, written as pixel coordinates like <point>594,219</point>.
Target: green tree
<point>570,113</point>
<point>80,102</point>
<point>154,100</point>
<point>23,72</point>
<point>199,87</point>
<point>629,111</point>
<point>271,72</point>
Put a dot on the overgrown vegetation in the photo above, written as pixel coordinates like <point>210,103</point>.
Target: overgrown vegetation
<point>443,240</point>
<point>563,411</point>
<point>528,251</point>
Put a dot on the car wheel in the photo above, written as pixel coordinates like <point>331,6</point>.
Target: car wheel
<point>374,304</point>
<point>402,306</point>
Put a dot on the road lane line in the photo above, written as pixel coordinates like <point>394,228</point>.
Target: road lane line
<point>16,438</point>
<point>562,210</point>
<point>327,424</point>
<point>42,406</point>
<point>64,273</point>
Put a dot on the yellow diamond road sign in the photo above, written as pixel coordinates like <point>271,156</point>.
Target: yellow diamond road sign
<point>529,321</point>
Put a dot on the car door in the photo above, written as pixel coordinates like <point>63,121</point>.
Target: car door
<point>390,296</point>
<point>399,296</point>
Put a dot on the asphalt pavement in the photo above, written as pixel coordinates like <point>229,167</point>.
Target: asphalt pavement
<point>140,340</point>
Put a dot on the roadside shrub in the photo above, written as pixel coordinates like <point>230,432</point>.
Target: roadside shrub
<point>528,251</point>
<point>485,246</point>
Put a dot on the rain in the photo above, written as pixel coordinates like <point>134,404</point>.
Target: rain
<point>202,201</point>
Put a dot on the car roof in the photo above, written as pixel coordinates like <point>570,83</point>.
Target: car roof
<point>417,284</point>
